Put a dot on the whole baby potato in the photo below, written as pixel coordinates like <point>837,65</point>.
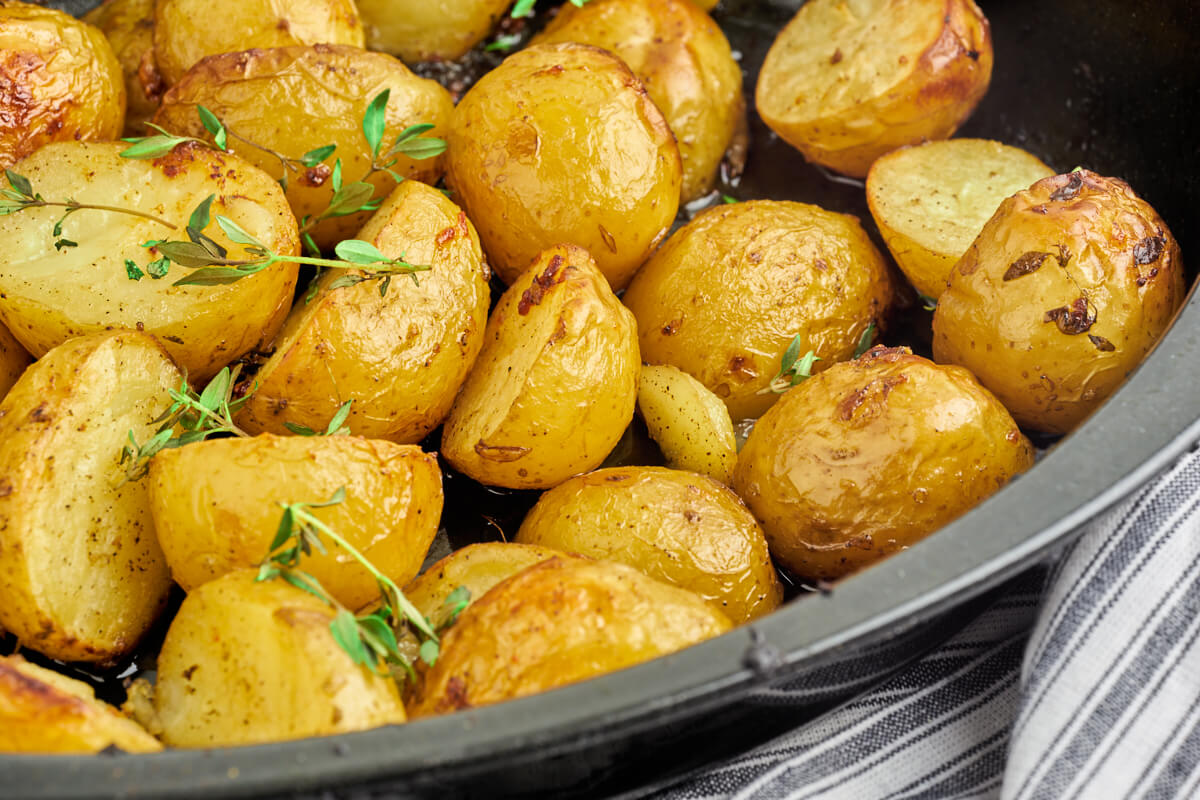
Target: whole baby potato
<point>187,31</point>
<point>1069,285</point>
<point>845,83</point>
<point>682,58</point>
<point>216,507</point>
<point>13,360</point>
<point>870,456</point>
<point>677,527</point>
<point>59,81</point>
<point>429,30</point>
<point>556,383</point>
<point>248,662</point>
<point>129,27</point>
<point>48,295</point>
<point>725,296</point>
<point>559,622</point>
<point>560,144</point>
<point>401,356</point>
<point>293,100</point>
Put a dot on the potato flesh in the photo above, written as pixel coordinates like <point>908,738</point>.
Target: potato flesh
<point>688,422</point>
<point>428,30</point>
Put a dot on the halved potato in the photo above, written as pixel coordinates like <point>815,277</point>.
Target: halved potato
<point>689,423</point>
<point>49,295</point>
<point>216,507</point>
<point>44,712</point>
<point>13,360</point>
<point>932,200</point>
<point>81,574</point>
<point>846,82</point>
<point>420,30</point>
<point>129,27</point>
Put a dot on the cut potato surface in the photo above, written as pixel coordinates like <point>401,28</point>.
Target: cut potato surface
<point>689,423</point>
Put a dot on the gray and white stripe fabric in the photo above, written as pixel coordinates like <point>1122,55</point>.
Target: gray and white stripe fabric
<point>1082,680</point>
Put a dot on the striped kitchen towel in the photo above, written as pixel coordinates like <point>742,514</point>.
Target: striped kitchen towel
<point>1082,681</point>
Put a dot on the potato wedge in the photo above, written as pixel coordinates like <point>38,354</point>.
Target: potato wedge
<point>44,712</point>
<point>689,423</point>
<point>13,360</point>
<point>232,488</point>
<point>845,83</point>
<point>932,200</point>
<point>401,356</point>
<point>556,382</point>
<point>81,574</point>
<point>48,295</point>
<point>418,30</point>
<point>129,27</point>
<point>247,662</point>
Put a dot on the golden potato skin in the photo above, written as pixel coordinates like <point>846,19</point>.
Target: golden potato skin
<point>48,297</point>
<point>403,356</point>
<point>13,360</point>
<point>187,31</point>
<point>727,293</point>
<point>677,527</point>
<point>1066,289</point>
<point>216,507</point>
<point>247,662</point>
<point>429,30</point>
<point>44,712</point>
<point>870,456</point>
<point>317,96</point>
<point>129,27</point>
<point>559,622</point>
<point>59,81</point>
<point>844,87</point>
<point>685,63</point>
<point>82,576</point>
<point>556,382</point>
<point>564,121</point>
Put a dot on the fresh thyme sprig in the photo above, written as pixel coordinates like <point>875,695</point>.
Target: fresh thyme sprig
<point>866,340</point>
<point>524,8</point>
<point>337,426</point>
<point>794,369</point>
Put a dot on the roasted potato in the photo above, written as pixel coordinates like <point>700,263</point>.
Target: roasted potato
<point>232,490</point>
<point>677,527</point>
<point>556,383</point>
<point>129,27</point>
<point>246,662</point>
<point>48,295</point>
<point>59,81</point>
<point>1066,289</point>
<point>559,622</point>
<point>689,423</point>
<point>44,712</point>
<point>870,456</point>
<point>727,293</point>
<point>401,356</point>
<point>420,30</point>
<point>316,96</point>
<point>81,573</point>
<point>560,144</point>
<point>685,63</point>
<point>846,83</point>
<point>932,200</point>
<point>13,360</point>
<point>187,31</point>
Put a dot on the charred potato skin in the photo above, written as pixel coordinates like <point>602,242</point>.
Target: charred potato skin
<point>726,294</point>
<point>429,30</point>
<point>13,360</point>
<point>1061,296</point>
<point>685,62</point>
<point>559,622</point>
<point>129,27</point>
<point>61,81</point>
<point>555,121</point>
<point>402,356</point>
<point>676,527</point>
<point>868,457</point>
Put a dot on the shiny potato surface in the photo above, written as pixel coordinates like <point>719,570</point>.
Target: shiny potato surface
<point>1066,289</point>
<point>685,63</point>
<point>429,30</point>
<point>727,293</point>
<point>48,296</point>
<point>82,576</point>
<point>870,456</point>
<point>187,31</point>
<point>44,712</point>
<point>556,382</point>
<point>316,97</point>
<point>60,81</point>
<point>677,527</point>
<point>559,622</point>
<point>689,423</point>
<point>401,356</point>
<point>129,27</point>
<point>845,83</point>
<point>13,360</point>
<point>216,507</point>
<point>560,144</point>
<point>247,662</point>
